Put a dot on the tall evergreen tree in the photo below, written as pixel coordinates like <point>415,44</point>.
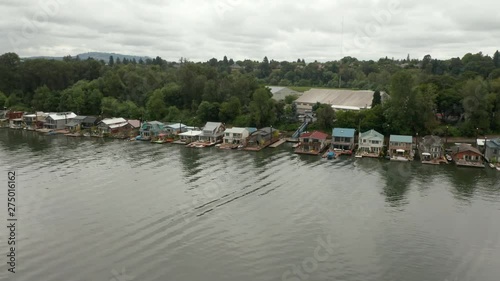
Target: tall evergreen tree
<point>111,61</point>
<point>496,59</point>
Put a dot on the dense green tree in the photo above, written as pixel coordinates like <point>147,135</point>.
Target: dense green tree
<point>3,99</point>
<point>377,98</point>
<point>208,111</point>
<point>111,61</point>
<point>156,108</point>
<point>496,59</point>
<point>476,107</point>
<point>262,108</point>
<point>230,110</point>
<point>325,117</point>
<point>109,107</point>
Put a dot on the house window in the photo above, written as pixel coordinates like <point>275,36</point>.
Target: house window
<point>364,141</point>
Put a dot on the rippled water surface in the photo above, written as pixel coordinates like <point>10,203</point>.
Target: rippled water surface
<point>91,209</point>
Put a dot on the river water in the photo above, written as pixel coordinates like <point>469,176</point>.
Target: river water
<point>112,210</point>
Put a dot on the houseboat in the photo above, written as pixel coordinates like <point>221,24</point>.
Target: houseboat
<point>431,150</point>
<point>468,156</point>
<point>343,140</point>
<point>234,137</point>
<point>370,144</point>
<point>212,134</point>
<point>312,143</point>
<point>401,148</point>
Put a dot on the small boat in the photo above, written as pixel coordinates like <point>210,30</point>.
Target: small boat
<point>448,157</point>
<point>492,166</point>
<point>330,155</point>
<point>358,156</point>
<point>296,145</point>
<point>498,168</point>
<point>51,133</point>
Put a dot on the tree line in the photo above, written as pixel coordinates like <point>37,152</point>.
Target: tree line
<point>458,96</point>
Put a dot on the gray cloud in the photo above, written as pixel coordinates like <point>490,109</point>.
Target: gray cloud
<point>241,29</point>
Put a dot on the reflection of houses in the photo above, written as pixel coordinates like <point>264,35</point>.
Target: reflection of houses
<point>343,139</point>
<point>370,144</point>
<point>261,138</point>
<point>3,118</point>
<point>401,148</point>
<point>492,151</point>
<point>151,129</point>
<point>235,136</point>
<point>213,132</point>
<point>312,143</point>
<point>58,121</point>
<point>431,150</point>
<point>466,155</point>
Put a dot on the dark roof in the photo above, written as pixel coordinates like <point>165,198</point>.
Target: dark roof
<point>464,148</point>
<point>80,118</point>
<point>431,140</point>
<point>90,119</point>
<point>73,124</point>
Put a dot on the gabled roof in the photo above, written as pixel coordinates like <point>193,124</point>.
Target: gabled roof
<point>431,140</point>
<point>210,126</point>
<point>343,132</point>
<point>464,148</point>
<point>134,123</point>
<point>399,138</point>
<point>236,130</point>
<point>90,119</point>
<point>154,123</point>
<point>493,143</point>
<point>110,121</point>
<point>251,130</point>
<point>315,135</point>
<point>62,116</point>
<point>371,134</point>
<point>79,118</point>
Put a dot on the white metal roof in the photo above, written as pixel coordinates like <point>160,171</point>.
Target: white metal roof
<point>110,121</point>
<point>62,116</point>
<point>191,133</point>
<point>119,125</point>
<point>235,130</point>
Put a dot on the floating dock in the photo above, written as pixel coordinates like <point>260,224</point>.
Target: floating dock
<point>278,143</point>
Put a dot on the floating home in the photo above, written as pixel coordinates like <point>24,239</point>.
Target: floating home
<point>401,148</point>
<point>343,140</point>
<point>431,150</point>
<point>370,144</point>
<point>234,137</point>
<point>468,156</point>
<point>312,143</point>
<point>261,138</point>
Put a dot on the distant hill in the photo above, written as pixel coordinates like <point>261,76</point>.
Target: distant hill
<point>105,56</point>
<point>96,56</point>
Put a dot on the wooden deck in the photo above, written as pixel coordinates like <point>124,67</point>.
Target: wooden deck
<point>435,161</point>
<point>278,143</point>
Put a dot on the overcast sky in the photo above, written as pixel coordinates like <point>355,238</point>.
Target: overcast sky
<point>241,29</point>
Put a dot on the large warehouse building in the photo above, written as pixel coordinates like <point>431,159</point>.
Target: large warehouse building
<point>339,99</point>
